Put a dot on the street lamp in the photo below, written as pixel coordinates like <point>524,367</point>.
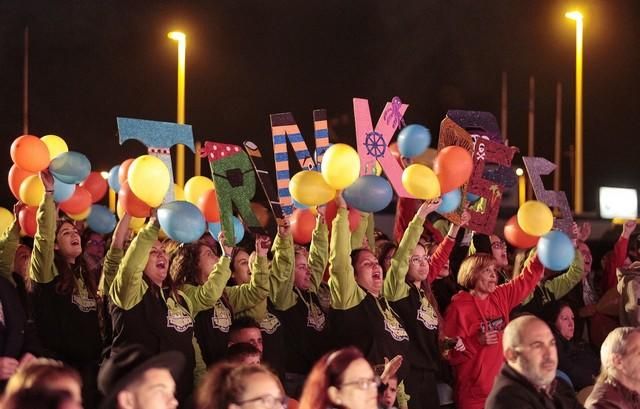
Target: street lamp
<point>181,38</point>
<point>578,192</point>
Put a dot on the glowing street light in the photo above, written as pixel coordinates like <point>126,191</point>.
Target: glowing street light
<point>578,192</point>
<point>181,38</point>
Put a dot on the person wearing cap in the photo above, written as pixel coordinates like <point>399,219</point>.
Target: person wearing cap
<point>133,378</point>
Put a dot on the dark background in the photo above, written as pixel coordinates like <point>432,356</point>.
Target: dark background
<point>91,61</point>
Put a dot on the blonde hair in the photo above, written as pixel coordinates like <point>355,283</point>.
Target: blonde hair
<point>38,373</point>
<point>471,266</point>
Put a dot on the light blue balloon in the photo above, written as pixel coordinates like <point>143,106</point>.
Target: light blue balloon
<point>556,251</point>
<point>472,198</point>
<point>182,221</point>
<point>114,182</point>
<point>369,193</point>
<point>101,220</point>
<point>70,167</point>
<point>413,140</point>
<point>238,229</point>
<point>62,191</point>
<point>299,205</point>
<point>450,201</point>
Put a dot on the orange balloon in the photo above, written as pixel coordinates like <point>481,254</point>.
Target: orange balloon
<point>96,185</point>
<point>208,205</point>
<point>27,220</point>
<point>302,224</point>
<point>131,203</point>
<point>16,176</point>
<point>124,170</point>
<point>332,210</point>
<point>78,203</point>
<point>514,234</point>
<point>453,166</point>
<point>30,153</point>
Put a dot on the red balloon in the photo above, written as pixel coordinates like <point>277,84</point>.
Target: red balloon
<point>30,153</point>
<point>27,220</point>
<point>332,210</point>
<point>78,203</point>
<point>124,170</point>
<point>208,205</point>
<point>96,185</point>
<point>514,234</point>
<point>453,166</point>
<point>130,202</point>
<point>16,176</point>
<point>302,224</point>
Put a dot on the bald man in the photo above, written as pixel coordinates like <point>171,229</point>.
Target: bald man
<point>528,378</point>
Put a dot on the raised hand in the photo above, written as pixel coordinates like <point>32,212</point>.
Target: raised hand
<point>628,227</point>
<point>428,206</point>
<point>391,368</point>
<point>47,180</point>
<point>284,227</point>
<point>342,204</point>
<point>226,249</point>
<point>263,244</point>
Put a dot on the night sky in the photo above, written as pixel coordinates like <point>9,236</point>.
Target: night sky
<point>92,61</point>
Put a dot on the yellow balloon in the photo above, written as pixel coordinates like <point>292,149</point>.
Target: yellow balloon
<point>535,218</point>
<point>6,219</point>
<point>31,190</point>
<point>178,192</point>
<point>55,144</point>
<point>149,179</point>
<point>421,182</point>
<point>309,188</point>
<point>340,166</point>
<point>195,188</point>
<point>80,216</point>
<point>135,224</point>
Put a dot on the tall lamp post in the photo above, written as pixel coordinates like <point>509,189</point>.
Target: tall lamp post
<point>181,38</point>
<point>578,192</point>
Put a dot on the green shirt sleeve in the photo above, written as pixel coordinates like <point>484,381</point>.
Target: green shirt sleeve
<point>8,245</point>
<point>109,268</point>
<point>280,279</point>
<point>318,254</point>
<point>371,227</point>
<point>345,292</point>
<point>202,297</point>
<point>245,297</point>
<point>128,287</point>
<point>358,235</point>
<point>395,286</point>
<point>563,283</point>
<point>41,268</point>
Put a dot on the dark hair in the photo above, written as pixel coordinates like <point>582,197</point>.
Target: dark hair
<point>237,352</point>
<point>243,323</point>
<point>37,398</point>
<point>184,265</point>
<point>551,310</point>
<point>384,249</point>
<point>355,254</point>
<point>327,372</point>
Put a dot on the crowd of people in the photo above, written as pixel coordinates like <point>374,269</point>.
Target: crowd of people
<point>436,316</point>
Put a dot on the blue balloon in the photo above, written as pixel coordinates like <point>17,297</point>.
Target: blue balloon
<point>413,140</point>
<point>182,221</point>
<point>299,205</point>
<point>62,191</point>
<point>101,220</point>
<point>114,182</point>
<point>369,193</point>
<point>472,198</point>
<point>70,167</point>
<point>238,229</point>
<point>556,251</point>
<point>450,201</point>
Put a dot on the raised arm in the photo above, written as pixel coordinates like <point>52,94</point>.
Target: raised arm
<point>619,255</point>
<point>360,233</point>
<point>516,290</point>
<point>245,296</point>
<point>282,266</point>
<point>563,283</point>
<point>9,241</point>
<point>114,255</point>
<point>41,268</point>
<point>443,251</point>
<point>319,251</point>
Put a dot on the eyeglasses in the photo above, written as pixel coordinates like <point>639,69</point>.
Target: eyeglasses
<point>364,383</point>
<point>497,245</point>
<point>267,401</point>
<point>418,259</point>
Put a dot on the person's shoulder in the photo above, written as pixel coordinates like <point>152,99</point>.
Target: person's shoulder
<point>509,394</point>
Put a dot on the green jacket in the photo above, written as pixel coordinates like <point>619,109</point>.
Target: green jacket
<point>365,229</point>
<point>395,286</point>
<point>250,299</point>
<point>9,241</point>
<point>560,285</point>
<point>110,265</point>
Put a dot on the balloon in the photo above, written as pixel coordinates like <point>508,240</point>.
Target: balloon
<point>472,198</point>
<point>135,224</point>
<point>32,190</point>
<point>299,205</point>
<point>178,192</point>
<point>555,250</point>
<point>309,188</point>
<point>70,167</point>
<point>27,220</point>
<point>369,194</point>
<point>123,171</point>
<point>78,203</point>
<point>16,176</point>
<point>453,165</point>
<point>262,214</point>
<point>182,221</point>
<point>30,153</point>
<point>302,224</point>
<point>421,182</point>
<point>149,179</point>
<point>413,140</point>
<point>340,166</point>
<point>535,218</point>
<point>516,237</point>
<point>450,201</point>
<point>96,185</point>
<point>101,220</point>
<point>62,191</point>
<point>238,229</point>
<point>80,216</point>
<point>55,145</point>
<point>331,210</point>
<point>208,205</point>
<point>130,202</point>
<point>426,158</point>
<point>114,182</point>
<point>196,187</point>
<point>6,218</point>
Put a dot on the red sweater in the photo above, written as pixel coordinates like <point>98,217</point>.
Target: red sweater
<point>614,261</point>
<point>477,367</point>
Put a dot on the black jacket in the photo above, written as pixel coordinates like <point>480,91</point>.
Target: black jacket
<point>511,390</point>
